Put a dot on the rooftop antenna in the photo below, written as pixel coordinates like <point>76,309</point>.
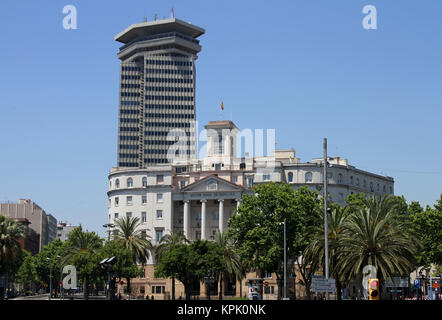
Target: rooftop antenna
<point>173,14</point>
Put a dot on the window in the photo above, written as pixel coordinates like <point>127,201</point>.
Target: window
<point>160,178</point>
<point>340,178</point>
<point>371,186</point>
<point>212,185</point>
<point>159,214</point>
<point>109,203</point>
<point>143,216</point>
<point>129,200</point>
<point>117,201</point>
<point>357,181</point>
<point>290,177</point>
<point>159,197</point>
<point>143,200</point>
<point>365,184</point>
<point>378,188</point>
<point>341,197</point>
<point>391,189</point>
<point>235,179</point>
<point>218,166</point>
<point>116,215</point>
<point>308,177</point>
<point>182,183</point>
<point>216,215</point>
<point>158,234</point>
<point>198,216</point>
<point>250,182</point>
<point>117,184</point>
<point>266,177</point>
<point>351,179</point>
<point>110,184</point>
<point>130,183</point>
<point>143,235</point>
<point>144,182</point>
<point>384,189</point>
<point>128,215</point>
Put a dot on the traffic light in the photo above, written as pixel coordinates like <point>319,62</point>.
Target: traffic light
<point>373,289</point>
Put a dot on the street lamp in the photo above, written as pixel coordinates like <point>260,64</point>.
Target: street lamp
<point>325,212</point>
<point>106,264</point>
<point>285,260</point>
<point>109,226</point>
<point>50,277</point>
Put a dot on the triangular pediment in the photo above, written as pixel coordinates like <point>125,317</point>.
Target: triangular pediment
<point>212,183</point>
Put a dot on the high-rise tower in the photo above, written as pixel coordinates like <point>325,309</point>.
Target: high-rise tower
<point>157,90</point>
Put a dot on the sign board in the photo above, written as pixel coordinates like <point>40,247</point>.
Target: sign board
<point>397,282</point>
<point>321,284</point>
<point>266,283</point>
<point>417,284</point>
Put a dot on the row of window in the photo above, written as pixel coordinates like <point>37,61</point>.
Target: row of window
<point>123,111</point>
<point>340,180</point>
<point>170,80</point>
<point>130,103</point>
<point>169,98</point>
<point>128,155</point>
<point>174,89</point>
<point>127,164</point>
<point>130,94</point>
<point>159,215</point>
<point>130,85</point>
<point>129,146</point>
<point>130,183</point>
<point>168,124</point>
<point>154,161</point>
<point>162,151</point>
<point>130,77</point>
<point>170,115</point>
<point>129,120</point>
<point>128,138</point>
<point>130,129</point>
<point>160,142</point>
<point>169,63</point>
<point>166,133</point>
<point>170,71</point>
<point>130,68</point>
<point>169,106</point>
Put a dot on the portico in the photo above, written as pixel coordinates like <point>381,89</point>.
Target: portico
<point>205,206</point>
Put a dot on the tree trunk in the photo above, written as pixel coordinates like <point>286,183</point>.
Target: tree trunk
<point>187,291</point>
<point>128,286</point>
<point>338,289</point>
<point>220,293</point>
<point>240,288</point>
<point>279,282</point>
<point>85,287</point>
<point>173,288</point>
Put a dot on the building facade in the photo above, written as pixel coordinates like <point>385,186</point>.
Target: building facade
<point>63,230</point>
<point>198,197</point>
<point>157,90</point>
<point>42,224</point>
<point>159,178</point>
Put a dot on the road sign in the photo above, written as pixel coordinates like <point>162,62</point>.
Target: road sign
<point>397,282</point>
<point>266,283</point>
<point>417,284</point>
<point>321,284</point>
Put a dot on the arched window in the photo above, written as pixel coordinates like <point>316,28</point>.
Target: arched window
<point>117,184</point>
<point>144,182</point>
<point>308,177</point>
<point>290,176</point>
<point>130,183</point>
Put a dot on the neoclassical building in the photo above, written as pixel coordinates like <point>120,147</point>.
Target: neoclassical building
<point>198,196</point>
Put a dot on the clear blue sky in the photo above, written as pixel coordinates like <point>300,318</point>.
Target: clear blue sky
<point>306,68</point>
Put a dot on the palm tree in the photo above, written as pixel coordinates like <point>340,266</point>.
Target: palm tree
<point>230,257</point>
<point>134,239</point>
<point>166,243</point>
<point>314,252</point>
<point>81,248</point>
<point>10,232</point>
<point>373,235</point>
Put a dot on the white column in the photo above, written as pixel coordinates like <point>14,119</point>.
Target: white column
<point>187,219</point>
<point>221,215</point>
<point>203,220</point>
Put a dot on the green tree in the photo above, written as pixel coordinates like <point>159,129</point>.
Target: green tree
<point>315,251</point>
<point>191,263</point>
<point>134,239</point>
<point>427,225</point>
<point>48,262</point>
<point>82,250</point>
<point>258,232</point>
<point>166,243</point>
<point>10,232</point>
<point>27,273</point>
<point>124,266</point>
<point>231,259</point>
<point>374,236</point>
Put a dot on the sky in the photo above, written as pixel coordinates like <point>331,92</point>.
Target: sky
<point>306,68</point>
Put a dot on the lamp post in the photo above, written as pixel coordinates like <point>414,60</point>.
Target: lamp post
<point>325,212</point>
<point>285,261</point>
<point>109,226</point>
